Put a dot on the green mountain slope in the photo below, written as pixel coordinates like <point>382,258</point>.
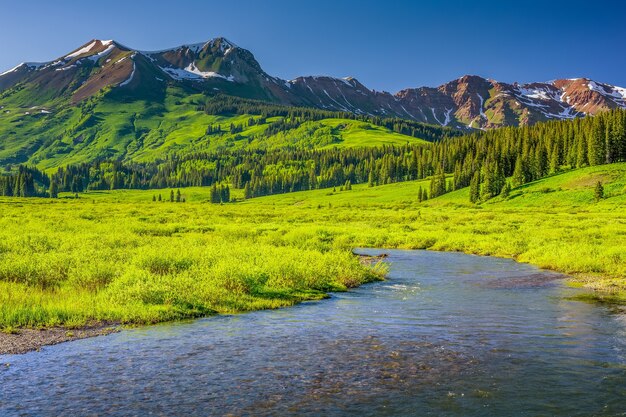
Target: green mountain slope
<point>109,127</point>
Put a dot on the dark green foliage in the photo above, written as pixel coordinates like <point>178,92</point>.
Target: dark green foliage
<point>53,192</point>
<point>26,182</point>
<point>523,153</point>
<point>438,184</point>
<point>220,194</point>
<point>599,191</point>
<point>294,117</point>
<point>506,190</point>
<point>475,188</point>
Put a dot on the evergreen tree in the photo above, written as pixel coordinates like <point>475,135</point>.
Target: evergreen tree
<point>475,188</point>
<point>215,194</point>
<point>599,191</point>
<point>225,194</point>
<point>597,143</point>
<point>518,174</point>
<point>53,191</point>
<point>370,179</point>
<point>506,190</point>
<point>438,184</point>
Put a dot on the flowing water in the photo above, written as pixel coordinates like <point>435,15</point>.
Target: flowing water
<point>446,334</point>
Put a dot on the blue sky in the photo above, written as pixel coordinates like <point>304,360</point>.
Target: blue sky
<point>388,45</point>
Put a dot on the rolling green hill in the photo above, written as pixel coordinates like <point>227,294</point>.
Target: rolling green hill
<point>105,129</point>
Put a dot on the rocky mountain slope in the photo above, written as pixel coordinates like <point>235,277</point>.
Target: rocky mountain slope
<point>107,67</point>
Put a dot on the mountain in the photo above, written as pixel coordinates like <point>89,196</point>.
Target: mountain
<point>469,101</point>
<point>101,68</point>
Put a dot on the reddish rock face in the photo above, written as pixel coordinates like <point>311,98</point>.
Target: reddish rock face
<point>220,66</point>
<point>590,97</point>
<point>475,102</point>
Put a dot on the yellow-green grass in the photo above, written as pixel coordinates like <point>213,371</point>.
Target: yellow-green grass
<point>118,256</point>
<point>358,134</point>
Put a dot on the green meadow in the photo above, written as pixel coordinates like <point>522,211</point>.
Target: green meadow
<point>119,257</point>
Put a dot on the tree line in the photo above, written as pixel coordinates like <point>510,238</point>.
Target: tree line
<point>294,117</point>
<point>482,161</point>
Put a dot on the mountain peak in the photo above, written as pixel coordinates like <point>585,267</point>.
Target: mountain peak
<point>219,65</point>
<point>94,48</point>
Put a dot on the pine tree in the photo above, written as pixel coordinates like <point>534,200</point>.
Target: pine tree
<point>171,196</point>
<point>490,186</point>
<point>475,188</point>
<point>518,174</point>
<point>597,143</point>
<point>153,197</point>
<point>599,191</point>
<point>554,160</point>
<point>178,196</point>
<point>438,184</point>
<point>215,195</point>
<point>160,199</point>
<point>582,148</point>
<point>225,194</point>
<point>506,190</point>
<point>53,190</point>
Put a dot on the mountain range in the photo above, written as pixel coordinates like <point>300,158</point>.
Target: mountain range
<point>103,67</point>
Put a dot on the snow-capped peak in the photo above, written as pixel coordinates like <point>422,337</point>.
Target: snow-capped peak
<point>15,68</point>
<point>85,49</point>
<point>29,65</point>
<point>225,46</point>
<point>96,45</point>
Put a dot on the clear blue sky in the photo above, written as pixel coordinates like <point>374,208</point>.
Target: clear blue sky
<point>386,44</point>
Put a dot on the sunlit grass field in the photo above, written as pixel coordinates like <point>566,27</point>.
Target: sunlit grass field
<point>120,257</point>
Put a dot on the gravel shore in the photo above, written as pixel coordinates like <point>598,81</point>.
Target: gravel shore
<point>26,340</point>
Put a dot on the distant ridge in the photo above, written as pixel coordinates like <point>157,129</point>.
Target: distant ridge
<point>219,65</point>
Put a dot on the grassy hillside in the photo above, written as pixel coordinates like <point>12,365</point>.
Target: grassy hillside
<point>118,256</point>
<point>59,134</point>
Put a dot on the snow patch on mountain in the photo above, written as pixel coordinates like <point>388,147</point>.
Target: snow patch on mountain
<point>447,115</point>
<point>13,69</point>
<point>66,68</point>
<point>81,51</point>
<point>191,72</point>
<point>539,93</point>
<point>434,115</point>
<point>107,51</point>
<point>132,75</point>
<point>482,102</point>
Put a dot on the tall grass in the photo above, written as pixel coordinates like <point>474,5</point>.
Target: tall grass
<point>120,257</point>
